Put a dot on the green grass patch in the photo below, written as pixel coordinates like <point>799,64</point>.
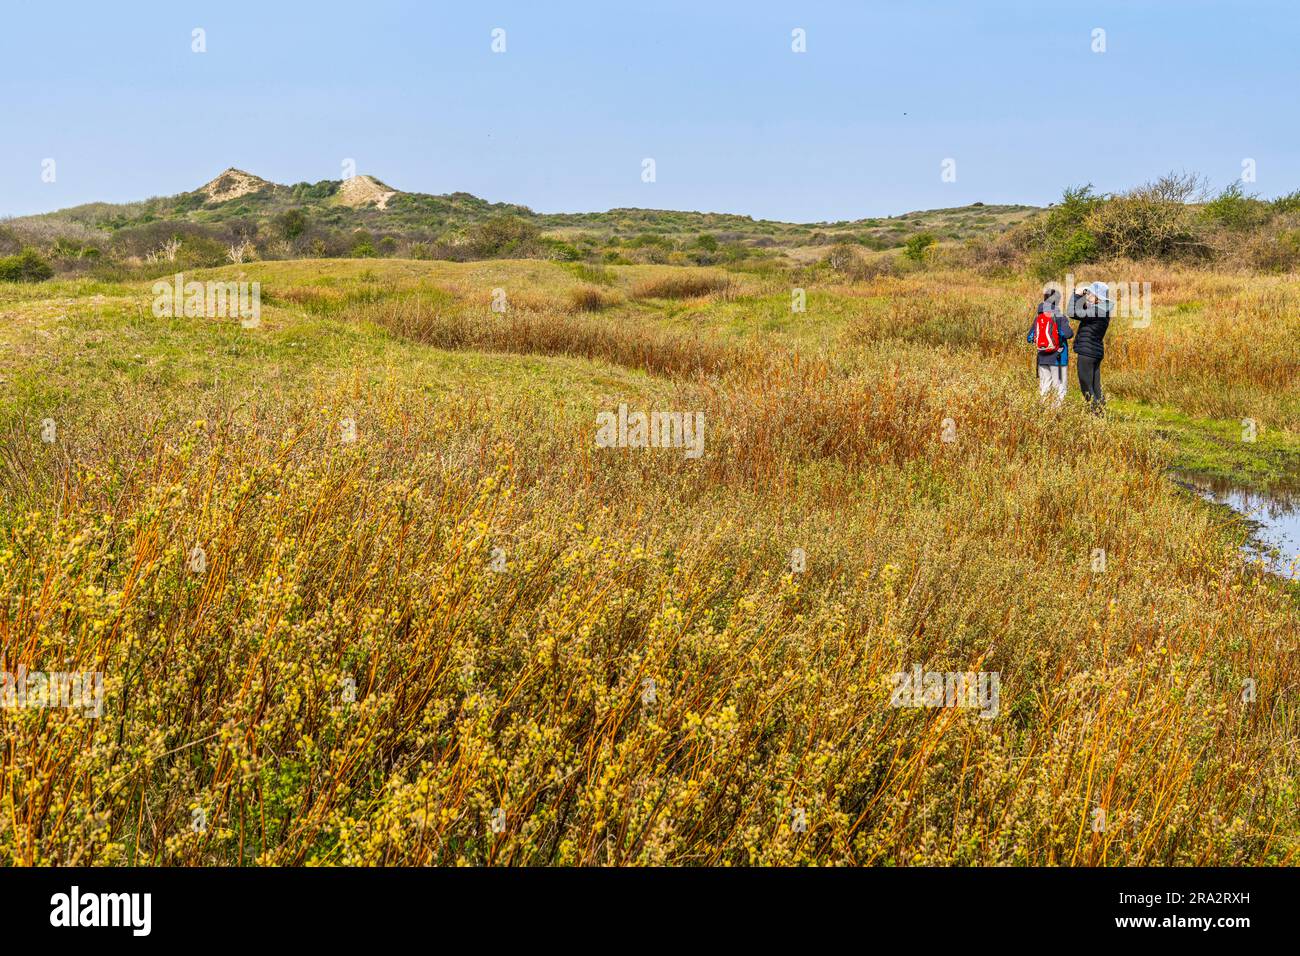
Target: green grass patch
<point>1217,449</point>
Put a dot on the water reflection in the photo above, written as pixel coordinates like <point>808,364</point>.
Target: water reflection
<point>1275,519</point>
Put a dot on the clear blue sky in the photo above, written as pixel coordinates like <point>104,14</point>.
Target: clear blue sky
<point>736,122</point>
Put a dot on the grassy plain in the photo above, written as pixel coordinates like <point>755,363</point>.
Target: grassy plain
<point>348,681</point>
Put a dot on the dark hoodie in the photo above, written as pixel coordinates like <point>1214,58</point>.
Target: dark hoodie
<point>1093,322</point>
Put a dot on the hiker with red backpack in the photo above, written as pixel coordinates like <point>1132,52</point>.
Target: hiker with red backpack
<point>1050,333</point>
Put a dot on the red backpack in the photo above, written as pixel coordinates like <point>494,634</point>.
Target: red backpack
<point>1045,333</point>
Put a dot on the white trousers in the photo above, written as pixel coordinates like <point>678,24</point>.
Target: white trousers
<point>1053,378</point>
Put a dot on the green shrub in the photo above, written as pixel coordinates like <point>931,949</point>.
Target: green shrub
<point>304,192</point>
<point>1065,241</point>
<point>1288,203</point>
<point>27,266</point>
<point>188,202</point>
<point>200,252</point>
<point>1233,209</point>
<point>503,236</point>
<point>918,245</point>
<point>1062,252</point>
<point>649,239</point>
<point>563,251</point>
<point>65,248</point>
<point>292,223</point>
<point>363,245</point>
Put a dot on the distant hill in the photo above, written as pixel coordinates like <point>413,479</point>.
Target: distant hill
<point>955,223</point>
<point>359,202</point>
<point>366,203</point>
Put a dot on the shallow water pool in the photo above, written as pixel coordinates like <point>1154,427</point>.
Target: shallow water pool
<point>1275,519</point>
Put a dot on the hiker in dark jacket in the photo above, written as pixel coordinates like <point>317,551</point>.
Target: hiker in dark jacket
<point>1053,367</point>
<point>1091,308</point>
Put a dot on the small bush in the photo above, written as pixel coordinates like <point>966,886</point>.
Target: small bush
<point>1233,209</point>
<point>503,236</point>
<point>1288,203</point>
<point>27,266</point>
<point>1063,252</point>
<point>850,264</point>
<point>558,249</point>
<point>363,245</point>
<point>918,245</point>
<point>649,239</point>
<point>199,252</point>
<point>1150,222</point>
<point>992,254</point>
<point>843,258</point>
<point>65,248</point>
<point>1061,239</point>
<point>1279,252</point>
<point>291,223</point>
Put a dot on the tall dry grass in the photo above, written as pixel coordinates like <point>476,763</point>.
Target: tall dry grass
<point>646,681</point>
